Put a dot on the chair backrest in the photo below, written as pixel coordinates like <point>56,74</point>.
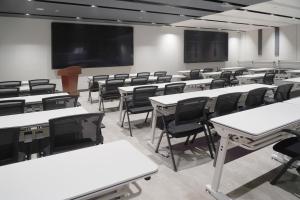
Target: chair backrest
<point>238,73</point>
<point>269,78</point>
<point>95,85</point>
<point>217,83</point>
<point>59,102</point>
<point>283,92</point>
<point>174,88</point>
<point>10,84</point>
<point>143,74</point>
<point>195,74</point>
<point>142,80</point>
<point>255,98</point>
<point>226,75</point>
<point>75,132</point>
<point>160,73</point>
<point>227,103</point>
<point>164,79</point>
<point>190,110</point>
<point>9,145</point>
<point>111,86</point>
<point>205,70</point>
<point>121,76</point>
<point>9,92</point>
<point>42,89</point>
<point>11,107</point>
<point>38,81</point>
<point>140,95</point>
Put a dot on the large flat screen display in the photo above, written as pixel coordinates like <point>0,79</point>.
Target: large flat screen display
<point>205,46</point>
<point>88,45</point>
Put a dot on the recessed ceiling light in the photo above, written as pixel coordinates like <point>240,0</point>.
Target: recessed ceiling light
<point>181,15</point>
<point>40,9</point>
<point>93,6</point>
<point>78,18</point>
<point>29,0</point>
<point>153,23</point>
<point>27,14</point>
<point>142,11</point>
<point>118,20</point>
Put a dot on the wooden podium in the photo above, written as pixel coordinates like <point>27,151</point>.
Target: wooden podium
<point>69,79</point>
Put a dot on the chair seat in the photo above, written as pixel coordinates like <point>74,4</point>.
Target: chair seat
<point>269,100</point>
<point>85,142</point>
<point>289,147</point>
<point>142,109</point>
<point>178,131</point>
<point>110,95</point>
<point>234,82</point>
<point>160,123</point>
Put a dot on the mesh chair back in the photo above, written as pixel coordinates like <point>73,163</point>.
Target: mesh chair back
<point>9,148</point>
<point>174,88</point>
<point>38,82</point>
<point>283,92</point>
<point>164,79</point>
<point>238,73</point>
<point>42,89</point>
<point>190,110</point>
<point>143,80</point>
<point>160,73</point>
<point>59,102</point>
<point>111,88</point>
<point>11,107</point>
<point>255,97</point>
<point>140,96</point>
<point>226,75</point>
<point>227,103</point>
<point>143,74</point>
<point>195,74</point>
<point>10,84</point>
<point>75,132</point>
<point>269,78</point>
<point>95,86</point>
<point>121,76</point>
<point>217,83</point>
<point>205,70</point>
<point>9,92</point>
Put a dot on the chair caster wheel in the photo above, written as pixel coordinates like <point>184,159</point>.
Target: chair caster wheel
<point>148,178</point>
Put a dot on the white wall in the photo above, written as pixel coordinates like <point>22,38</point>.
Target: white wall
<point>25,50</point>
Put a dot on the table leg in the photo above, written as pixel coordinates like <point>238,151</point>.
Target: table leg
<point>153,129</point>
<point>121,108</point>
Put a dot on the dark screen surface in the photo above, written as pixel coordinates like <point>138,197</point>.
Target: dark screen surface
<point>89,45</point>
<point>205,46</point>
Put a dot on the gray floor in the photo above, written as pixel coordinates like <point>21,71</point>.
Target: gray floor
<point>244,178</point>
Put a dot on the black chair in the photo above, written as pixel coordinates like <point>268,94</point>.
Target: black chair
<point>226,75</point>
<point>255,98</point>
<point>217,83</point>
<point>9,92</point>
<point>75,132</point>
<point>160,73</point>
<point>189,120</point>
<point>195,74</point>
<point>289,147</point>
<point>121,76</point>
<point>282,93</point>
<point>205,70</point>
<point>59,102</point>
<point>164,79</point>
<point>38,82</point>
<point>139,103</point>
<point>42,89</point>
<point>110,90</point>
<point>94,85</point>
<point>9,146</point>
<point>10,84</point>
<point>11,107</point>
<point>235,81</point>
<point>226,104</point>
<point>269,78</point>
<point>141,80</point>
<point>143,74</point>
<point>174,88</point>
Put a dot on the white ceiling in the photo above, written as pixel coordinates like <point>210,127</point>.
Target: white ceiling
<point>274,13</point>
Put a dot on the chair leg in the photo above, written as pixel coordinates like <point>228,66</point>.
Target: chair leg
<point>208,144</point>
<point>122,125</point>
<point>187,140</point>
<point>159,141</point>
<point>146,117</point>
<point>171,151</point>
<point>284,169</point>
<point>129,124</point>
<point>211,138</point>
<point>90,97</point>
<point>102,104</point>
<point>194,138</point>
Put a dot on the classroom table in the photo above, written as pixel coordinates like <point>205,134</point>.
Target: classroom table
<point>165,104</point>
<point>205,75</point>
<point>34,99</point>
<point>261,70</point>
<point>293,80</point>
<point>86,173</point>
<point>293,73</point>
<point>125,91</point>
<point>246,79</point>
<point>251,129</point>
<point>233,69</point>
<point>151,77</point>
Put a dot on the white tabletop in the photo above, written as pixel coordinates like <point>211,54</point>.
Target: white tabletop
<point>169,100</point>
<point>129,89</point>
<point>295,71</point>
<point>34,98</point>
<point>295,101</point>
<point>251,76</point>
<point>260,121</point>
<point>232,68</point>
<point>75,173</point>
<point>261,69</point>
<point>35,118</point>
<point>294,80</point>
